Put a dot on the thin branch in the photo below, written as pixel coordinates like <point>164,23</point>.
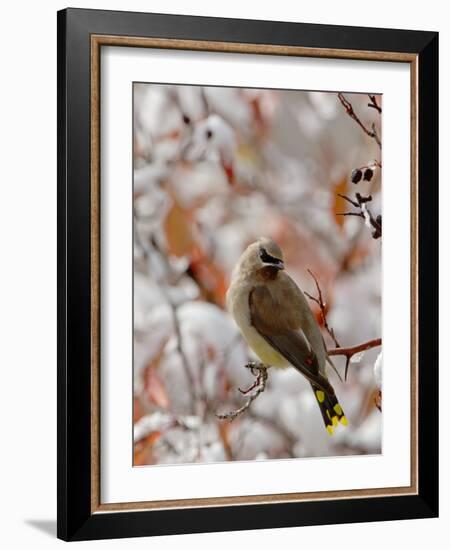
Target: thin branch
<point>373,103</point>
<point>190,378</point>
<point>260,385</point>
<point>351,113</point>
<point>374,134</point>
<point>348,199</point>
<point>322,305</point>
<point>364,213</point>
<point>350,352</point>
<point>184,361</point>
<point>358,214</point>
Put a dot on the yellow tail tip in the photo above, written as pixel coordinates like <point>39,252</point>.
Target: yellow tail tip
<point>335,420</point>
<point>338,409</point>
<point>344,421</point>
<point>320,396</point>
<point>330,429</point>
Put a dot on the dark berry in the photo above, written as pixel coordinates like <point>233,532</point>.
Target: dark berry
<point>208,134</point>
<point>368,173</point>
<point>186,120</point>
<point>356,175</point>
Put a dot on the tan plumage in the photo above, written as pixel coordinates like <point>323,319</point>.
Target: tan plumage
<point>277,323</point>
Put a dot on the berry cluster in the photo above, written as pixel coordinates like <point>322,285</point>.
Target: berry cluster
<point>365,173</point>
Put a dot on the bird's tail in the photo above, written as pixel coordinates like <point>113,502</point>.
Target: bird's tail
<point>332,412</point>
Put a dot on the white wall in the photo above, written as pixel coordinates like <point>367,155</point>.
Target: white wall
<point>28,269</point>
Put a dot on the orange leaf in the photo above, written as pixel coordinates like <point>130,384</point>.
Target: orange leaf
<point>138,411</point>
<point>143,449</point>
<point>178,229</point>
<point>155,388</point>
<point>340,204</point>
<point>211,280</point>
<point>180,234</point>
<point>224,428</point>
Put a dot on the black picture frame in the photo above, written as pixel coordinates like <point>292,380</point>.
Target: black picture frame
<point>76,520</point>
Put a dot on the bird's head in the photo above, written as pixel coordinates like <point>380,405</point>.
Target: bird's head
<point>263,256</point>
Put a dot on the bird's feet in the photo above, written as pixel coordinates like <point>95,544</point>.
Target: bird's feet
<point>260,371</point>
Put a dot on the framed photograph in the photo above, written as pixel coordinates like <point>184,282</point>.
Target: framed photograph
<point>247,255</point>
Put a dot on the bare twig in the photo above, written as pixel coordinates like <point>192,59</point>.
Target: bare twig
<point>322,305</point>
<point>184,361</point>
<point>260,371</point>
<point>350,352</point>
<point>358,214</point>
<point>348,199</point>
<point>339,350</point>
<point>375,135</point>
<point>351,113</point>
<point>363,213</point>
<point>190,378</point>
<point>373,103</point>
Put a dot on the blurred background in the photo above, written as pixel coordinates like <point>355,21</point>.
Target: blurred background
<point>214,170</point>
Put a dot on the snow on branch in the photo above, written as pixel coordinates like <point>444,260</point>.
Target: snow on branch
<point>364,213</point>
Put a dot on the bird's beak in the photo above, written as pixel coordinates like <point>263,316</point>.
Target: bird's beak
<point>279,265</point>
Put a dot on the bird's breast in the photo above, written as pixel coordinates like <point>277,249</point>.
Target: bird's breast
<point>238,305</point>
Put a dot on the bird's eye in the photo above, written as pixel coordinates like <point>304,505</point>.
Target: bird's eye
<point>267,258</point>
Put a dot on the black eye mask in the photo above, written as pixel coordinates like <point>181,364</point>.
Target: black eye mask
<point>268,259</point>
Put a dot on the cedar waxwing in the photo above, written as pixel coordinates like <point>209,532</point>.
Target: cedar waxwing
<point>278,324</point>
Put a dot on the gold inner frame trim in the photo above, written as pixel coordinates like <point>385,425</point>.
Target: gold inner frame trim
<point>97,41</point>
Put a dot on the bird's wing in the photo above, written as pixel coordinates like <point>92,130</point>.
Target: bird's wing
<point>278,324</point>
